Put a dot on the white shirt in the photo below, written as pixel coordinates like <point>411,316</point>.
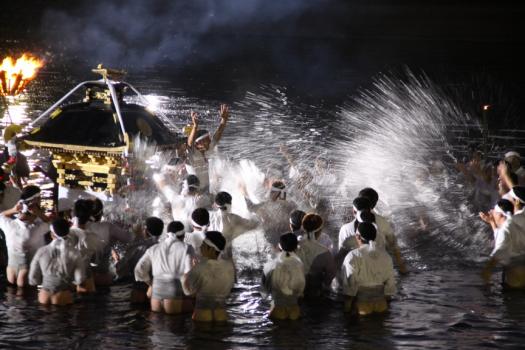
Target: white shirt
<point>58,259</point>
<point>368,266</point>
<point>198,163</point>
<point>347,234</point>
<point>210,279</point>
<point>169,259</point>
<point>229,224</point>
<point>285,275</point>
<point>23,239</point>
<point>509,239</point>
<point>195,239</point>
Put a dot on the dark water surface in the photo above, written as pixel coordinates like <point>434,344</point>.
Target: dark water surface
<point>441,304</point>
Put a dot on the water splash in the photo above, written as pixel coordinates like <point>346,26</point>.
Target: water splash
<point>400,140</point>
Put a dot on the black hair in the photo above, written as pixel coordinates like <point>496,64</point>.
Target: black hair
<point>367,231</point>
<point>60,227</point>
<point>371,194</point>
<point>296,219</point>
<point>29,191</point>
<point>175,226</point>
<point>279,184</point>
<point>362,203</point>
<point>82,210</point>
<point>505,205</point>
<point>312,223</point>
<point>193,183</point>
<point>154,226</point>
<point>366,216</point>
<point>288,242</point>
<point>201,216</point>
<point>223,198</point>
<point>216,238</point>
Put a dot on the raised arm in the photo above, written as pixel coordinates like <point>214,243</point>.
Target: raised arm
<point>225,114</point>
<point>191,138</point>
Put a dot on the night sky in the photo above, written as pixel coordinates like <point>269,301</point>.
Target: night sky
<point>314,44</point>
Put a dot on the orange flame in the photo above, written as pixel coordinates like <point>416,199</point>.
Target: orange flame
<point>15,75</point>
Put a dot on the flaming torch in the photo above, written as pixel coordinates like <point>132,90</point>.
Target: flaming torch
<point>16,74</point>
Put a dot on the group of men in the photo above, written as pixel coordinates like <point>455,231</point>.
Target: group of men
<point>188,264</point>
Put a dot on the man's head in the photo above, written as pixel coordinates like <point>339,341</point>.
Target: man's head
<point>366,232</point>
<point>223,201</point>
<point>288,242</point>
<point>176,228</point>
<point>60,227</point>
<point>191,184</point>
<point>371,194</point>
<point>30,197</point>
<point>514,159</point>
<point>82,210</point>
<point>154,226</point>
<point>200,219</point>
<point>213,244</point>
<point>502,210</point>
<point>312,225</point>
<point>278,190</point>
<point>361,204</point>
<point>202,140</point>
<point>296,219</point>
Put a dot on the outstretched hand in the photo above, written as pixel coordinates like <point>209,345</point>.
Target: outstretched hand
<point>194,118</point>
<point>487,217</point>
<point>224,112</point>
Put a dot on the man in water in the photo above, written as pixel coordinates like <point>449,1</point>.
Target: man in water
<point>200,222</point>
<point>57,266</point>
<point>24,234</point>
<point>202,147</point>
<point>147,236</point>
<point>284,278</point>
<point>385,229</point>
<point>211,280</point>
<point>319,264</point>
<point>108,234</point>
<point>368,275</point>
<point>191,197</point>
<point>274,213</point>
<point>231,225</point>
<point>509,245</point>
<point>162,267</point>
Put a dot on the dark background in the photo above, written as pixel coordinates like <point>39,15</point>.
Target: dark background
<point>321,48</point>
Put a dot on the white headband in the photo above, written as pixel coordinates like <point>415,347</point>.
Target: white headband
<point>35,196</point>
<point>277,189</point>
<point>210,243</point>
<point>202,137</point>
<point>512,154</point>
<point>498,209</point>
<point>178,233</point>
<point>204,228</point>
